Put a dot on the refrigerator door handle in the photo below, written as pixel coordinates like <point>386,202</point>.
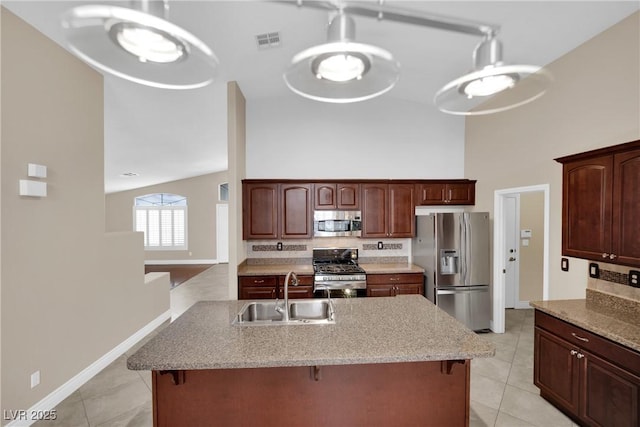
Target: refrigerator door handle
<point>461,289</point>
<point>467,253</point>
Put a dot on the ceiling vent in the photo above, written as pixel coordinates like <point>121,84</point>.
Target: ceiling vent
<point>268,40</point>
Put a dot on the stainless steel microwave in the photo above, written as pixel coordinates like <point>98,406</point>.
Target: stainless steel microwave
<point>337,223</point>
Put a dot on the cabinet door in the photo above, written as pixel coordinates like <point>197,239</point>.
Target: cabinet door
<point>374,210</point>
<point>430,194</point>
<point>410,289</point>
<point>401,211</point>
<point>587,201</point>
<point>461,194</point>
<point>325,197</point>
<point>296,212</point>
<point>610,395</point>
<point>348,196</point>
<point>555,370</point>
<point>260,211</point>
<point>626,208</point>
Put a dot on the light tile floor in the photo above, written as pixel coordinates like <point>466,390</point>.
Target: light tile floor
<point>502,390</point>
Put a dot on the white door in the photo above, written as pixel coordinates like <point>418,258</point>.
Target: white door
<point>222,232</point>
<point>511,246</point>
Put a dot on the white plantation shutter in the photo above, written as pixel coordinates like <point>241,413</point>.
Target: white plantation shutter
<point>164,227</point>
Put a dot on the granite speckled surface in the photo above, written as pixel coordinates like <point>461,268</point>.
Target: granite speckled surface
<point>405,328</point>
<point>307,269</point>
<point>602,319</point>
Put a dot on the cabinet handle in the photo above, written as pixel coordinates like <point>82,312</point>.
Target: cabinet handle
<point>612,256</point>
<point>579,337</point>
<point>573,352</point>
<point>258,281</point>
<point>605,255</point>
<point>394,279</point>
<point>580,355</point>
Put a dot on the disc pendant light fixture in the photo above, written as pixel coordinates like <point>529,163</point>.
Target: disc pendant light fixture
<point>472,94</point>
<point>341,70</point>
<point>139,44</point>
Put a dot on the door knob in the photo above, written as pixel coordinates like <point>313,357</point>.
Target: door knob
<point>512,259</point>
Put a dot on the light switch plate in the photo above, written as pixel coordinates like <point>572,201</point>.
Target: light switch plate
<point>594,270</point>
<point>33,188</point>
<point>564,264</point>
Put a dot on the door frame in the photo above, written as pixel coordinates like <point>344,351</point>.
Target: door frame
<point>499,250</point>
<point>516,265</point>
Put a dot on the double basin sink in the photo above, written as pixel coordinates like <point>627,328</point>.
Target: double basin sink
<point>301,312</point>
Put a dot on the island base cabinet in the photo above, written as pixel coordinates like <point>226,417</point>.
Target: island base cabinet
<point>391,394</point>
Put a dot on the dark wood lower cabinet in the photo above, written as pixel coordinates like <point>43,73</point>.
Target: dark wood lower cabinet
<point>390,394</point>
<point>390,285</point>
<point>594,381</point>
<point>271,287</point>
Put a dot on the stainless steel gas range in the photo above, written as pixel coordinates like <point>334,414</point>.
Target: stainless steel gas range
<point>336,270</point>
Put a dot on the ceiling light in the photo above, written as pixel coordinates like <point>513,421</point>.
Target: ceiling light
<point>139,44</point>
<point>472,94</point>
<point>342,70</point>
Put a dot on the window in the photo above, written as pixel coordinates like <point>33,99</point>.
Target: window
<point>162,217</point>
<point>223,192</point>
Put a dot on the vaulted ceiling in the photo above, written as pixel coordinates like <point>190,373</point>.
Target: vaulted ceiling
<point>164,135</point>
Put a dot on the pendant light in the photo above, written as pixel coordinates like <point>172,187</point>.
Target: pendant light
<point>473,93</point>
<point>139,44</point>
<point>341,70</point>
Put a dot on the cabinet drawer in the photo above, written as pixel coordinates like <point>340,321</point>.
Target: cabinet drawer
<point>384,279</point>
<point>258,280</point>
<point>302,280</point>
<point>616,353</point>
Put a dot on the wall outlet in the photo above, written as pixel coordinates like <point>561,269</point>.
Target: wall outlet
<point>380,245</point>
<point>564,264</point>
<point>279,246</point>
<point>35,379</point>
<point>634,278</point>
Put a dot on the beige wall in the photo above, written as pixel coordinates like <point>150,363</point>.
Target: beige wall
<point>202,197</point>
<point>70,292</point>
<point>236,148</point>
<point>594,102</point>
<point>531,256</point>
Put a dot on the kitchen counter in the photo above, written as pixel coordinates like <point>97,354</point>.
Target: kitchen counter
<point>595,316</point>
<point>307,269</point>
<point>406,328</point>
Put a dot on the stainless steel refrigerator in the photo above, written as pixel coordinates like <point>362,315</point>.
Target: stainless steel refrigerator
<point>453,249</point>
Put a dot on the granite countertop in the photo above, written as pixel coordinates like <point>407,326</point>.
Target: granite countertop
<point>307,269</point>
<point>406,328</point>
<point>596,317</point>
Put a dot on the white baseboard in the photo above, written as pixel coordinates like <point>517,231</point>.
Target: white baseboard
<point>65,390</point>
<point>180,261</point>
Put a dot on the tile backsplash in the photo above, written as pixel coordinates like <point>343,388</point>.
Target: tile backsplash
<point>614,280</point>
<point>393,250</point>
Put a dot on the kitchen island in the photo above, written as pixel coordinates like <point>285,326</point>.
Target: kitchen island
<point>386,361</point>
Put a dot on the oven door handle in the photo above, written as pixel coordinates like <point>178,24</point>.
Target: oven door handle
<point>339,285</point>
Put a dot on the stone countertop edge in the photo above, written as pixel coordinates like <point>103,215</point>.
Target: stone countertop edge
<point>406,328</point>
<point>302,269</point>
<point>596,318</point>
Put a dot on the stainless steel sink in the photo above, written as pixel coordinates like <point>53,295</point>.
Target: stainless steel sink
<point>301,312</point>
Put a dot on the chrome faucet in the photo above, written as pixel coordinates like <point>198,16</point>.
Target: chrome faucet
<point>285,311</point>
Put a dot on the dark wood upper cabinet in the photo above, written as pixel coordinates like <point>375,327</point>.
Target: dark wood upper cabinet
<point>601,204</point>
<point>277,211</point>
<point>388,210</point>
<point>446,193</point>
<point>296,214</point>
<point>283,209</point>
<point>340,196</point>
<point>260,211</point>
